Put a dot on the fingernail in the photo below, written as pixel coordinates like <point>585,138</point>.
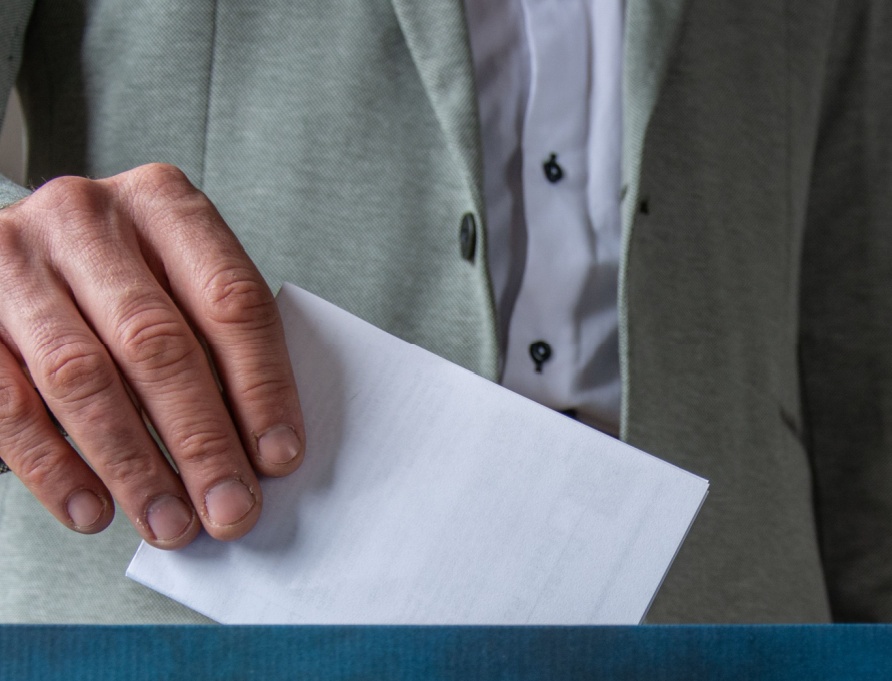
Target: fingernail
<point>278,445</point>
<point>168,517</point>
<point>84,508</point>
<point>229,502</point>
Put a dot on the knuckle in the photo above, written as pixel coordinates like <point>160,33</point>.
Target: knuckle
<point>235,295</point>
<point>165,192</point>
<point>270,391</point>
<point>199,447</point>
<point>74,371</point>
<point>41,467</point>
<point>75,197</point>
<point>125,468</point>
<point>81,205</point>
<point>150,335</point>
<point>74,215</point>
<point>16,402</point>
<point>156,346</point>
<point>64,186</point>
<point>12,244</point>
<point>164,181</point>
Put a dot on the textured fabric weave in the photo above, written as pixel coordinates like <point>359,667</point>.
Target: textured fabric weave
<point>340,141</point>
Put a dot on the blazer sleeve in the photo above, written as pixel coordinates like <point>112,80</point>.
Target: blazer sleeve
<point>14,16</point>
<point>846,315</point>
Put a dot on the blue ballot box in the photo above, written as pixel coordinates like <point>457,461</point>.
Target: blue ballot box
<point>654,653</point>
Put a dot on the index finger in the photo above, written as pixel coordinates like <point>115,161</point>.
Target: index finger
<point>224,296</point>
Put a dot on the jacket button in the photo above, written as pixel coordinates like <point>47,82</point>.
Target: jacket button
<point>467,236</point>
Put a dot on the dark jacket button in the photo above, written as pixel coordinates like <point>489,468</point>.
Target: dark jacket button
<point>553,171</point>
<point>467,236</point>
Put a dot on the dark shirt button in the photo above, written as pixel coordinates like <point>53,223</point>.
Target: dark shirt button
<point>540,351</point>
<point>467,236</point>
<point>553,171</point>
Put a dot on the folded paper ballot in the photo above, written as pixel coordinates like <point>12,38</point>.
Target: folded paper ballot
<point>429,495</point>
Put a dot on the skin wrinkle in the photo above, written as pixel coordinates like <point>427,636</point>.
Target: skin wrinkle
<point>34,432</point>
<point>108,341</point>
<point>165,368</point>
<point>111,260</point>
<point>197,447</point>
<point>91,416</point>
<point>73,374</point>
<point>116,465</point>
<point>40,467</point>
<point>33,303</point>
<point>167,205</point>
<point>269,390</point>
<point>233,296</point>
<point>155,185</point>
<point>17,261</point>
<point>128,468</point>
<point>14,402</point>
<point>150,341</point>
<point>84,233</point>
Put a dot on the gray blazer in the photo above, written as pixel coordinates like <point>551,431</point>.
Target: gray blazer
<point>340,141</point>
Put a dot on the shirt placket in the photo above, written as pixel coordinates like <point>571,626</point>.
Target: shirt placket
<point>541,358</point>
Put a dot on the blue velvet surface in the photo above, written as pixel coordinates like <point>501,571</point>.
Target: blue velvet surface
<point>649,652</point>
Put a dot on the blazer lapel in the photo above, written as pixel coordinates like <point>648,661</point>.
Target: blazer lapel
<point>437,36</point>
<point>652,29</point>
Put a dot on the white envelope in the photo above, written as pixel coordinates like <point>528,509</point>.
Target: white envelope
<point>429,495</point>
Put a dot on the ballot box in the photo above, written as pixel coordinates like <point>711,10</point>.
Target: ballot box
<point>429,653</point>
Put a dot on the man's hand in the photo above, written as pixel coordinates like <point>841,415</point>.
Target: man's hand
<point>107,289</point>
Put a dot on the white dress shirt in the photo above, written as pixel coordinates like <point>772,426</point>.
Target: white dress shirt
<point>549,86</point>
